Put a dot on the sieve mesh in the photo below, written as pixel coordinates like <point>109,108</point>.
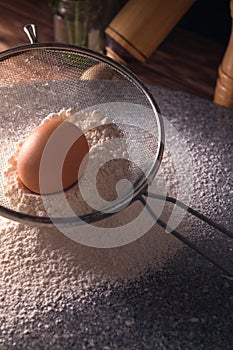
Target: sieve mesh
<point>37,79</point>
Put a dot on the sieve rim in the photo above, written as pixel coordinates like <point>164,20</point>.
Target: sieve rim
<point>141,187</point>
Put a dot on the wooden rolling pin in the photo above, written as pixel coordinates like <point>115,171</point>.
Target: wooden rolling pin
<point>224,87</point>
<point>140,26</point>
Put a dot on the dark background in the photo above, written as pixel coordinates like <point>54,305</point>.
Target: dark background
<point>209,18</point>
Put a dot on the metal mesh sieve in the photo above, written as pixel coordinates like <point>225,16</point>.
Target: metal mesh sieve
<point>38,79</point>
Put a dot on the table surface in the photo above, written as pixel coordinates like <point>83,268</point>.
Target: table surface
<point>59,295</point>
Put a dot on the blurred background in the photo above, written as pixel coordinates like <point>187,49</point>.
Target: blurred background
<point>187,59</point>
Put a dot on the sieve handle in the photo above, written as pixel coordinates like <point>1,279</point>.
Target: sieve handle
<point>31,31</point>
<point>178,235</point>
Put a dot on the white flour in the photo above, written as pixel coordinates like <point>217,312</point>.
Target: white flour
<point>44,256</point>
<point>98,130</point>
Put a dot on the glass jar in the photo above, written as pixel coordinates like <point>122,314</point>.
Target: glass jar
<point>79,22</point>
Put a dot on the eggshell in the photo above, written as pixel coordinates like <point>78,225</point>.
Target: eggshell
<point>51,158</point>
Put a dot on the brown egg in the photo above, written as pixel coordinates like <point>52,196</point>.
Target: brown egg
<point>50,158</point>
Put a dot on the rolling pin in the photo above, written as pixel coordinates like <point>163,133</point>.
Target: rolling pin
<point>140,27</point>
<point>223,94</point>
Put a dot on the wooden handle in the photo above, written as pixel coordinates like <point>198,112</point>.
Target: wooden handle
<point>223,94</point>
<point>140,27</point>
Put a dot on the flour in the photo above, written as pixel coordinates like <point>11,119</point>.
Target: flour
<point>42,257</point>
<point>98,131</point>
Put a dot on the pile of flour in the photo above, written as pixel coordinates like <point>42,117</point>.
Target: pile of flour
<point>43,257</point>
<point>98,130</point>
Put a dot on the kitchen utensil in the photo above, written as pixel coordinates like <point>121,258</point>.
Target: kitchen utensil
<point>39,78</point>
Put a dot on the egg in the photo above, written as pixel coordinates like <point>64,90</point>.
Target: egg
<point>53,157</point>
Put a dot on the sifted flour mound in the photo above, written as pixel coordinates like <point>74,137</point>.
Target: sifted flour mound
<point>44,260</point>
<point>98,131</point>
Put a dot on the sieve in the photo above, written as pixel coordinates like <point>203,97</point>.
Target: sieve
<point>36,79</point>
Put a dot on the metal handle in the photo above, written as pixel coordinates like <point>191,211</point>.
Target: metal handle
<point>183,239</point>
<point>31,31</point>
